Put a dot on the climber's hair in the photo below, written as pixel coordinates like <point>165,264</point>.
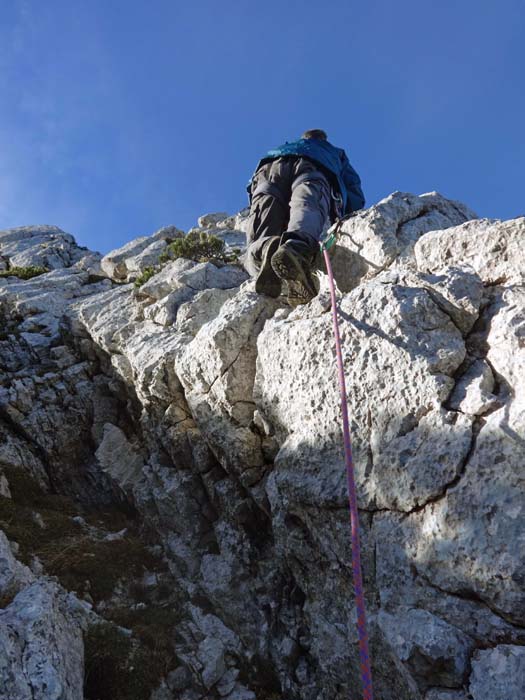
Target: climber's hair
<point>315,134</point>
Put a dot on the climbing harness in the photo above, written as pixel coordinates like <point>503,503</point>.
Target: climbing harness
<point>364,657</point>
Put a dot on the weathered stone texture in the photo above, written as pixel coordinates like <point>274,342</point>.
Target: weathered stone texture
<point>214,413</point>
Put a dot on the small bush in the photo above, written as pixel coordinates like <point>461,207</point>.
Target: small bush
<point>148,273</point>
<point>198,246</point>
<point>24,273</point>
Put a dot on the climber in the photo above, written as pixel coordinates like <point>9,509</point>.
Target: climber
<point>295,189</point>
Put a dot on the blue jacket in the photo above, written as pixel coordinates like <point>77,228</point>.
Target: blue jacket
<point>332,159</point>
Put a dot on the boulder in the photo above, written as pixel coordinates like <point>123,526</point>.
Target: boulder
<point>125,263</point>
<point>217,371</point>
<point>40,246</point>
<point>390,229</point>
<point>210,220</point>
<point>493,249</point>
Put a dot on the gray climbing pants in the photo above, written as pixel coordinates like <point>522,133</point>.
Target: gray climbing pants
<point>290,198</point>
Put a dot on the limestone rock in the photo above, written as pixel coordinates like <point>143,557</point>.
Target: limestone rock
<point>210,220</point>
<point>391,228</point>
<point>437,653</point>
<point>217,371</point>
<point>212,413</point>
<point>234,240</point>
<point>498,674</point>
<point>41,246</point>
<point>398,375</point>
<point>117,456</point>
<point>168,279</point>
<point>506,350</point>
<point>203,307</point>
<point>494,249</point>
<point>106,316</point>
<point>149,257</point>
<point>42,653</point>
<point>123,264</point>
<point>473,393</point>
<point>490,501</point>
<point>41,301</point>
<point>180,280</point>
<point>13,575</point>
<point>231,229</point>
<point>91,262</point>
<point>16,454</point>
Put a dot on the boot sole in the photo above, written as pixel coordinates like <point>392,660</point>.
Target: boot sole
<point>301,287</point>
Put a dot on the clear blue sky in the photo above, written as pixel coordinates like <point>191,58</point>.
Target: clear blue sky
<point>121,116</point>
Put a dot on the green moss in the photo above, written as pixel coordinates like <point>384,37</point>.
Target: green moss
<point>146,275</point>
<point>24,273</point>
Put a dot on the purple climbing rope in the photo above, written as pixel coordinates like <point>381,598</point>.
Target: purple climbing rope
<point>364,657</point>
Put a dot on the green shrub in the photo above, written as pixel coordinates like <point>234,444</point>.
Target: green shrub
<point>147,274</point>
<point>24,273</point>
<point>198,246</point>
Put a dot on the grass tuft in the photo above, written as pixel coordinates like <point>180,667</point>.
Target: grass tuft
<point>24,273</point>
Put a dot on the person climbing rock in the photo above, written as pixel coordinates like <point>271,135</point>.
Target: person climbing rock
<point>293,191</point>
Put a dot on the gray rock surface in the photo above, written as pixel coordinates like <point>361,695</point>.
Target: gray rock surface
<point>372,239</point>
<point>498,673</point>
<point>437,694</point>
<point>500,258</point>
<point>127,262</point>
<point>231,229</point>
<point>436,653</point>
<point>41,648</point>
<point>180,281</point>
<point>13,575</point>
<point>213,414</point>
<point>42,246</point>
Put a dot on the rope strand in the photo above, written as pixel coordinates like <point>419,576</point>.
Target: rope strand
<point>364,656</point>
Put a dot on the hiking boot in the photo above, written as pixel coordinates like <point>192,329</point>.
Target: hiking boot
<point>267,282</point>
<point>293,262</point>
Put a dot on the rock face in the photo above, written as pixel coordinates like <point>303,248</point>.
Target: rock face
<point>184,438</point>
<point>44,246</point>
<point>125,264</point>
<point>41,645</point>
<point>374,239</point>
